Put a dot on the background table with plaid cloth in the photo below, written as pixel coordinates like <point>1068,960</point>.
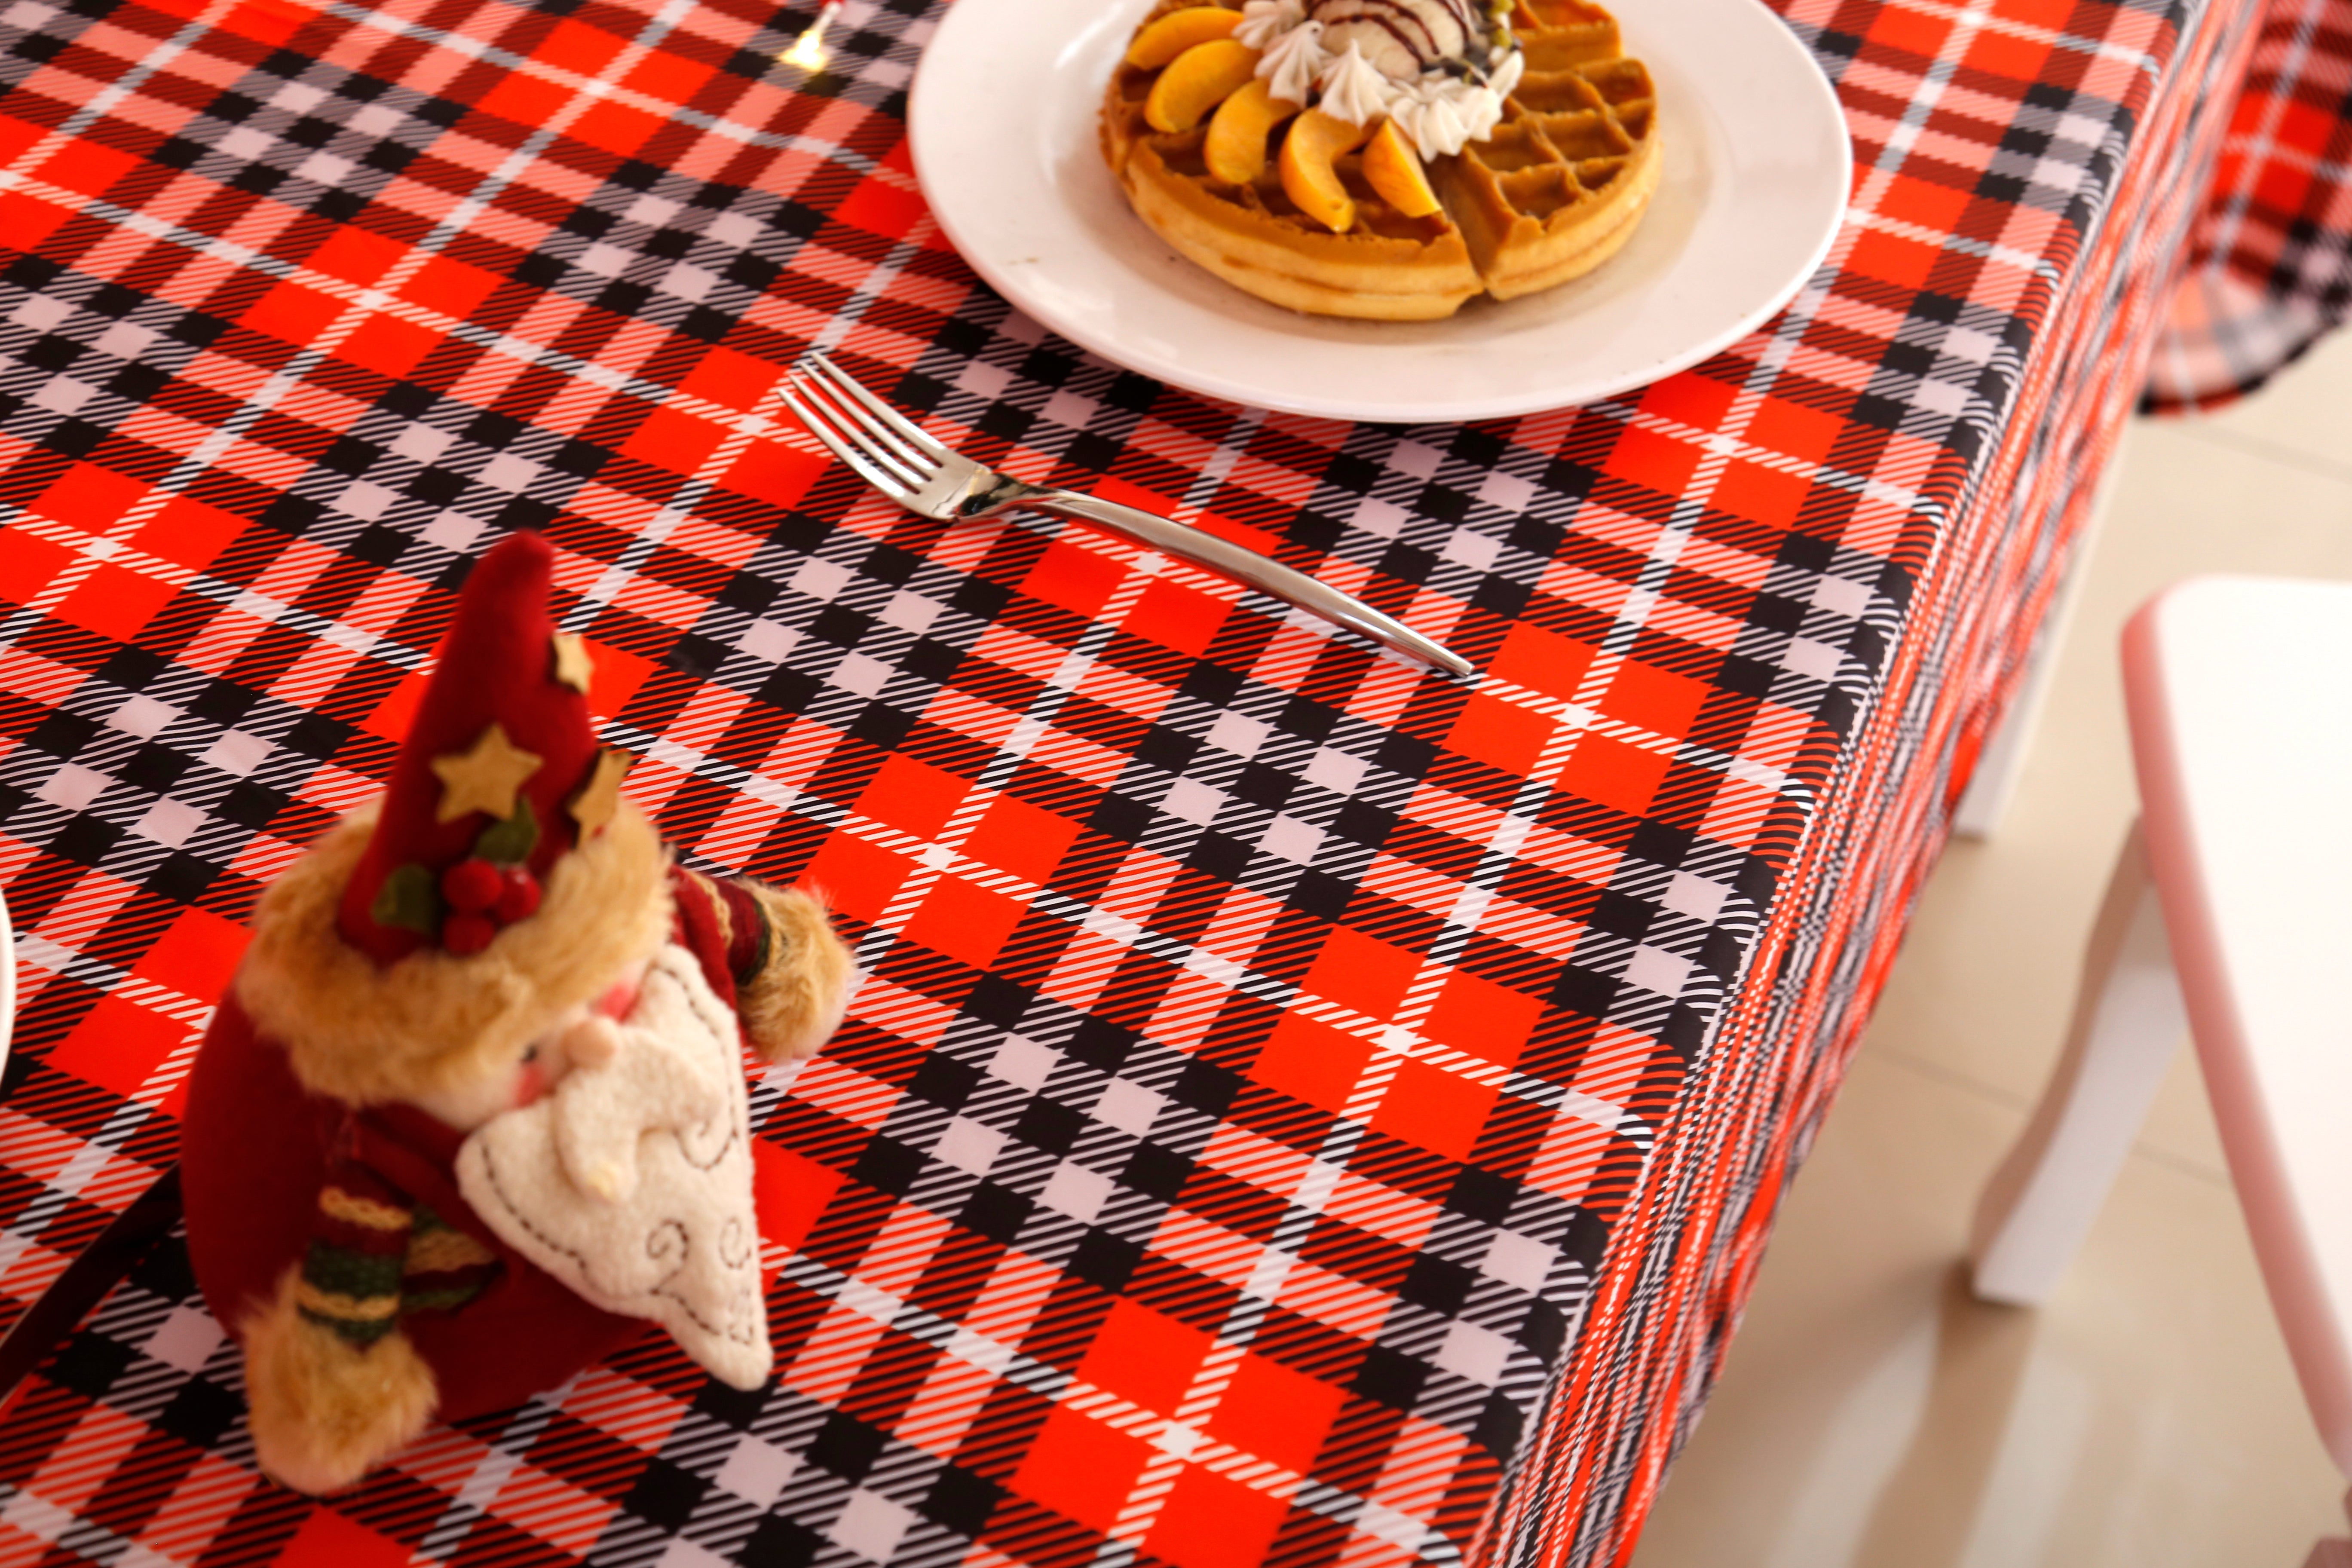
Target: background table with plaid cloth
<point>1303,1108</point>
<point>2270,268</point>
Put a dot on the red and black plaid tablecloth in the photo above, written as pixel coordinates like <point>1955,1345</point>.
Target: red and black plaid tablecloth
<point>1303,1108</point>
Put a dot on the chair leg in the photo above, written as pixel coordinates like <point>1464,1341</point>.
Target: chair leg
<point>2002,761</point>
<point>2128,1021</point>
<point>2334,1552</point>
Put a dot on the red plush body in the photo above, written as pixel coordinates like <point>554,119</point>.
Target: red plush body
<point>435,964</point>
<point>255,1150</point>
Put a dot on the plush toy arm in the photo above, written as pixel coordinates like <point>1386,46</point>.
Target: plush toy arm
<point>793,975</point>
<point>332,1384</point>
<point>325,1410</point>
<point>794,996</point>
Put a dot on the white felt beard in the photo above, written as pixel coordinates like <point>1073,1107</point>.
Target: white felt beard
<point>632,1180</point>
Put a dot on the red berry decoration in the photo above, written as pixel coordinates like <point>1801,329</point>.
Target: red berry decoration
<point>471,886</point>
<point>519,897</point>
<point>466,933</point>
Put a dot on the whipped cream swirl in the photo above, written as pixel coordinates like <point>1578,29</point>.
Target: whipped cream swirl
<point>1352,89</point>
<point>1293,61</point>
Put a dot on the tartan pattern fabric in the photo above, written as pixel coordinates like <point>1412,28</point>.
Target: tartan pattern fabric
<point>1302,1109</point>
<point>1779,1054</point>
<point>2270,266</point>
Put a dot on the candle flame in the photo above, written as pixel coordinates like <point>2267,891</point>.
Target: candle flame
<point>808,51</point>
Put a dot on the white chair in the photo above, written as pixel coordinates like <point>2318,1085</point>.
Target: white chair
<point>2229,914</point>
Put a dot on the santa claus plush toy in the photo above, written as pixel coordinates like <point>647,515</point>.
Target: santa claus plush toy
<point>473,1113</point>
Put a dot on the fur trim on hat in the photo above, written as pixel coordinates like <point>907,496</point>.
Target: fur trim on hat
<point>369,1036</point>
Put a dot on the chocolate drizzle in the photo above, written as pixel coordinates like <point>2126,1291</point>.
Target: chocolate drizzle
<point>1413,32</point>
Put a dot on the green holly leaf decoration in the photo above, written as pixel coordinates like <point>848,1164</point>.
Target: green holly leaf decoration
<point>410,898</point>
<point>511,840</point>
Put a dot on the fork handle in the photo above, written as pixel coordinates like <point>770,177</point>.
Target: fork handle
<point>1248,567</point>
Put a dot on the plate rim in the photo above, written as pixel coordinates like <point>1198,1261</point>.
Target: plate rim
<point>1206,382</point>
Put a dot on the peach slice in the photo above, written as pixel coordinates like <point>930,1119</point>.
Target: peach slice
<point>1308,178</point>
<point>1235,151</point>
<point>1196,81</point>
<point>1179,30</point>
<point>1393,168</point>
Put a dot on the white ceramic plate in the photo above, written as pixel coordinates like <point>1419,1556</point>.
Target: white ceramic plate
<point>1757,168</point>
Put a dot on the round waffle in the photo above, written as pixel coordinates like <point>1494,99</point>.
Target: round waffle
<point>1551,192</point>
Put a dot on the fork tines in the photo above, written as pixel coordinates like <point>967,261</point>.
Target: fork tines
<point>887,449</point>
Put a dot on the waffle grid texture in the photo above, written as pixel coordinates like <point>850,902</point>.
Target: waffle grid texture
<point>1571,122</point>
<point>1304,1110</point>
<point>1567,170</point>
<point>1555,188</point>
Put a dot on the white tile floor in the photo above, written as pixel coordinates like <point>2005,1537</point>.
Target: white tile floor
<point>1873,1413</point>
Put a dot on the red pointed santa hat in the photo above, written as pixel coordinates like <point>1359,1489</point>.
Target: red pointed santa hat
<point>500,776</point>
<point>501,881</point>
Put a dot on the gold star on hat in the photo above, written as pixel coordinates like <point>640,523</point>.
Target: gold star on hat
<point>594,802</point>
<point>483,778</point>
<point>573,668</point>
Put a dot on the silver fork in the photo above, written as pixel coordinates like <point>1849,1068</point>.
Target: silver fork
<point>892,454</point>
